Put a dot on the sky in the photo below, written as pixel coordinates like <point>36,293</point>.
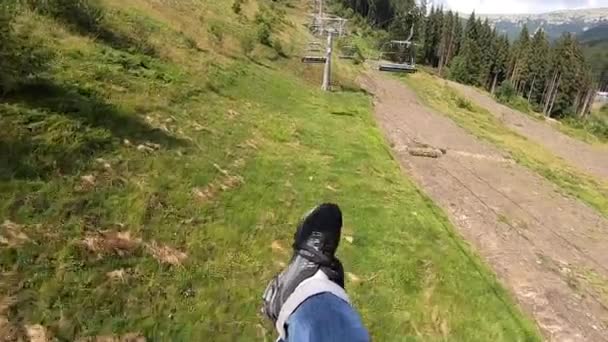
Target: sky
<point>518,6</point>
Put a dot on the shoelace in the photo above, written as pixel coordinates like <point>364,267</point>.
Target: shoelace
<point>314,255</point>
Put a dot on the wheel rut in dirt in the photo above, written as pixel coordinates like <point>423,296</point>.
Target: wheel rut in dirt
<point>592,159</point>
<point>547,249</point>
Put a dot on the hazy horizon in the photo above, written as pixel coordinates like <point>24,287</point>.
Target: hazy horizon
<point>506,7</point>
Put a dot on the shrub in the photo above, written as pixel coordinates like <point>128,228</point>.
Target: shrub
<point>278,47</point>
<point>381,38</point>
<point>276,13</point>
<point>349,13</point>
<point>506,91</point>
<point>247,44</point>
<point>21,57</point>
<point>189,42</point>
<point>84,15</point>
<point>359,58</point>
<point>458,70</point>
<point>216,32</point>
<point>7,47</point>
<point>594,125</point>
<point>598,127</point>
<point>537,107</point>
<point>87,17</point>
<point>7,14</point>
<point>237,6</point>
<point>463,103</point>
<point>521,104</point>
<point>264,15</point>
<point>267,19</point>
<point>263,33</point>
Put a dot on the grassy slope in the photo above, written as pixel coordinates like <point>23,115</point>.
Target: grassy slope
<point>484,125</point>
<point>261,120</point>
<point>591,131</point>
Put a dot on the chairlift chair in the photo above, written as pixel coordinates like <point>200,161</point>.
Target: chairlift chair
<point>314,47</point>
<point>314,54</point>
<point>314,59</point>
<point>397,63</point>
<point>405,67</point>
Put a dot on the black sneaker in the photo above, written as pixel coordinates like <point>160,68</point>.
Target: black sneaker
<point>315,243</point>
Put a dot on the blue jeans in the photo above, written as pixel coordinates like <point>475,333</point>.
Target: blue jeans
<point>325,318</point>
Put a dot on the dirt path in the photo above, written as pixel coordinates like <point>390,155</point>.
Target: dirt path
<point>593,159</point>
<point>548,250</point>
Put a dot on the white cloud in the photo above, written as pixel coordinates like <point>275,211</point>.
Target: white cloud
<point>518,6</point>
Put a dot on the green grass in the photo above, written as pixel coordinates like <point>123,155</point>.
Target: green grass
<point>484,125</point>
<point>217,117</point>
<point>593,130</point>
<point>521,104</point>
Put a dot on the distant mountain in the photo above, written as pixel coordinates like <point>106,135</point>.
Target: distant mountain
<point>554,23</point>
<point>596,35</point>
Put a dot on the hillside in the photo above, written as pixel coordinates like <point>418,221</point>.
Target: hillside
<point>595,48</point>
<point>155,156</point>
<point>554,23</point>
<point>594,35</point>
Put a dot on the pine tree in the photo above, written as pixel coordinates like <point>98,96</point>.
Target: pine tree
<point>500,65</point>
<point>432,37</point>
<point>447,45</point>
<point>428,36</point>
<point>437,34</point>
<point>538,65</point>
<point>573,78</point>
<point>458,34</point>
<point>466,68</point>
<point>556,79</point>
<point>519,59</point>
<point>487,46</point>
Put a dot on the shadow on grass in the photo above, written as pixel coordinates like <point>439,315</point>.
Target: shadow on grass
<point>259,63</point>
<point>87,18</point>
<point>55,129</point>
<point>342,114</point>
<point>351,88</point>
<point>125,43</point>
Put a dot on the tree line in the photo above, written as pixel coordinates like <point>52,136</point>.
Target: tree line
<point>553,77</point>
<point>380,12</point>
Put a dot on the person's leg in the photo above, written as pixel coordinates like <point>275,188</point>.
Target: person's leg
<point>325,318</point>
<point>307,301</point>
